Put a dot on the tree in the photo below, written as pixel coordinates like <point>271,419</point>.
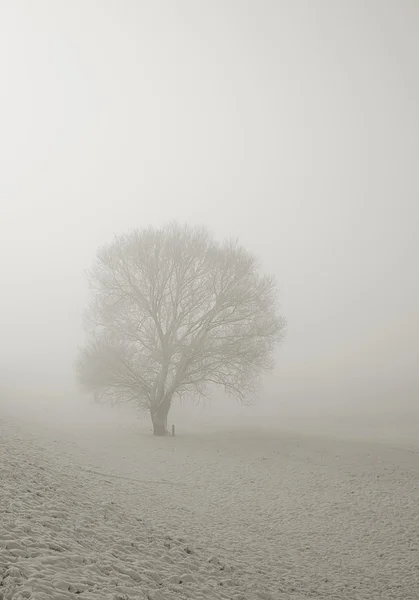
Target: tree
<point>174,313</point>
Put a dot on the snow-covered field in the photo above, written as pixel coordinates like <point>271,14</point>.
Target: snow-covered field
<point>105,510</point>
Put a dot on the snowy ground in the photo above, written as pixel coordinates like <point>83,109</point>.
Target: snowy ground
<point>236,515</point>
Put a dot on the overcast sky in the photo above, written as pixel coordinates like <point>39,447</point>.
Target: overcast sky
<point>292,125</point>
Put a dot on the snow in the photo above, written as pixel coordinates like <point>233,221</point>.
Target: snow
<point>109,512</point>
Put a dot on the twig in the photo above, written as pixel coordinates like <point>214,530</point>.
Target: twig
<point>163,481</point>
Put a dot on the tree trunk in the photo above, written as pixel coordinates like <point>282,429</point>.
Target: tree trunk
<point>159,419</point>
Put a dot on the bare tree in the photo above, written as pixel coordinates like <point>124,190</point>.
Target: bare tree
<point>174,313</point>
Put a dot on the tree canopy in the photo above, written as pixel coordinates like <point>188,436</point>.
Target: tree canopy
<point>173,312</point>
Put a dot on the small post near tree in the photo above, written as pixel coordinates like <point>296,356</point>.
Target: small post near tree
<point>174,313</point>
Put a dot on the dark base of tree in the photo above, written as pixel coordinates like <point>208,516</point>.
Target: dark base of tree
<point>159,420</point>
<point>159,430</point>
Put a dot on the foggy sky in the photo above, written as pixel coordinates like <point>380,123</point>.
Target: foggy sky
<point>292,125</point>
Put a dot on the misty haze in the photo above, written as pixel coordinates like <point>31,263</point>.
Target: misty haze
<point>209,300</point>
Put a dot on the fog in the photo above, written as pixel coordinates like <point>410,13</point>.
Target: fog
<point>292,126</point>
